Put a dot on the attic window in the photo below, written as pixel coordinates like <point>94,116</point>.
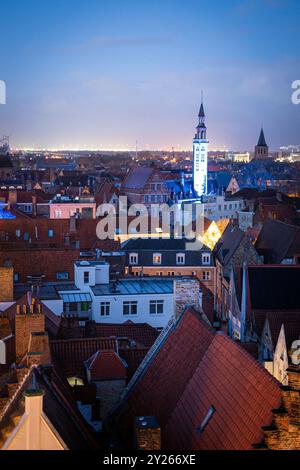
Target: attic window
<point>157,258</point>
<point>207,418</point>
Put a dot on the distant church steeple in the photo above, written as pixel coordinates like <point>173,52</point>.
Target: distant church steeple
<point>261,149</point>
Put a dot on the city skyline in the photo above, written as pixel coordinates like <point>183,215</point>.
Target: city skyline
<point>102,76</point>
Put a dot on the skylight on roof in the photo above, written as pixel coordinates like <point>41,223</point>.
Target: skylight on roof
<point>207,418</point>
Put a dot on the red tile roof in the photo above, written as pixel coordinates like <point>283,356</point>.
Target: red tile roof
<point>48,261</point>
<point>141,333</point>
<point>193,369</point>
<point>106,365</point>
<point>71,353</point>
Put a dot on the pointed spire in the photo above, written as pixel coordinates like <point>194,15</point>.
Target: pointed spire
<point>262,140</point>
<point>201,111</point>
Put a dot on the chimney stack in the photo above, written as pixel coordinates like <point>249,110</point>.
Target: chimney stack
<point>148,433</point>
<point>6,284</point>
<point>28,320</point>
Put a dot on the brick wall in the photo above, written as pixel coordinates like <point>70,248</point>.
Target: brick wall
<point>6,283</point>
<point>109,392</point>
<point>284,433</point>
<point>38,349</point>
<point>147,433</point>
<point>186,294</point>
<point>25,324</point>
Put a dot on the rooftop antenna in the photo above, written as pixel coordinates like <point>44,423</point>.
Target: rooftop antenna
<point>136,149</point>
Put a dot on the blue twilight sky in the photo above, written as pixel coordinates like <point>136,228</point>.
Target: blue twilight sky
<point>103,73</point>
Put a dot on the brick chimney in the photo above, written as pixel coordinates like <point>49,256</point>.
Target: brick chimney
<point>186,294</point>
<point>284,432</point>
<point>38,349</point>
<point>29,319</point>
<point>6,284</point>
<point>147,433</point>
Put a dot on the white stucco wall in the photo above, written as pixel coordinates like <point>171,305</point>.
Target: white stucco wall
<point>143,309</point>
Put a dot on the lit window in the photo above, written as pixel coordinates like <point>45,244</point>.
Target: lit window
<point>16,277</point>
<point>205,275</point>
<point>156,307</point>
<point>129,308</point>
<point>18,232</point>
<point>133,258</point>
<point>157,258</point>
<point>50,233</point>
<point>180,258</point>
<point>105,309</point>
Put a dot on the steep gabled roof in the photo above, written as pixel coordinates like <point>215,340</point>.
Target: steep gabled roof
<point>142,333</point>
<point>193,369</point>
<point>70,354</point>
<point>262,140</point>
<point>228,243</point>
<point>138,177</point>
<point>281,239</point>
<point>106,365</point>
<point>59,406</point>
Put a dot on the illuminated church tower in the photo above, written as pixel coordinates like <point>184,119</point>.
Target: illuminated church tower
<point>200,151</point>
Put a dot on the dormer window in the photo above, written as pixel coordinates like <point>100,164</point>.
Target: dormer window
<point>133,259</point>
<point>206,258</point>
<point>180,258</point>
<point>157,258</point>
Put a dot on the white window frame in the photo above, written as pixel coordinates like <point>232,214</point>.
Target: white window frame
<point>155,304</point>
<point>158,255</point>
<point>206,259</point>
<point>180,256</point>
<point>130,304</point>
<point>206,276</point>
<point>133,259</point>
<point>104,309</point>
